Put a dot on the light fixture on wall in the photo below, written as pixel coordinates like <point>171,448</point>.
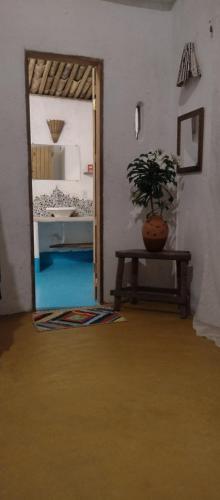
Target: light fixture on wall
<point>55,127</point>
<point>138,119</point>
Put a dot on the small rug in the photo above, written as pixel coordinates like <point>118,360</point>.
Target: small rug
<point>72,318</point>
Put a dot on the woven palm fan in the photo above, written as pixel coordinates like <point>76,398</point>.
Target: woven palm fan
<point>189,66</point>
<point>56,127</point>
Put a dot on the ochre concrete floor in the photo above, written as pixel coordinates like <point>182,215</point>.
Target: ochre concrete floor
<point>129,411</point>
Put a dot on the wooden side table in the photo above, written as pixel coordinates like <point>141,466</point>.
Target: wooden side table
<point>179,295</point>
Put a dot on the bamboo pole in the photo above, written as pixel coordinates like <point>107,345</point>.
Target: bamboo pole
<point>31,66</point>
<point>83,81</point>
<point>44,77</point>
<point>70,80</point>
<point>56,78</point>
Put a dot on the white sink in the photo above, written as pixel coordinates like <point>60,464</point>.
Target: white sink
<point>61,211</point>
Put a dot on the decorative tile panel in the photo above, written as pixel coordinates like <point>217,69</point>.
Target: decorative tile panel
<point>59,199</point>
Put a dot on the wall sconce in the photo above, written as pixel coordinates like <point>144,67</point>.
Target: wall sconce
<point>138,119</point>
<point>55,127</point>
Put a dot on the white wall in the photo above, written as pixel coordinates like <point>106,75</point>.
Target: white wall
<point>77,131</point>
<point>191,23</point>
<point>136,46</point>
<point>58,232</point>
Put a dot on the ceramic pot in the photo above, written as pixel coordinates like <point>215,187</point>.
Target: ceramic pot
<point>154,232</point>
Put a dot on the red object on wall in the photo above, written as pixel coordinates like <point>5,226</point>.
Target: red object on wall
<point>90,168</point>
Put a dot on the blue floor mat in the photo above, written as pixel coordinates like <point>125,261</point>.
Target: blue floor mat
<point>65,280</point>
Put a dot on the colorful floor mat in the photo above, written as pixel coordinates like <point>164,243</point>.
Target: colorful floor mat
<point>72,318</point>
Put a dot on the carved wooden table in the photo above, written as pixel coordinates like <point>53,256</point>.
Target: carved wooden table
<point>179,295</point>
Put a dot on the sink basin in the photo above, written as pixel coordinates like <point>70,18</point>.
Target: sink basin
<point>61,211</point>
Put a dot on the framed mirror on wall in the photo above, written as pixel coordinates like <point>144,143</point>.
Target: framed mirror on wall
<point>190,131</point>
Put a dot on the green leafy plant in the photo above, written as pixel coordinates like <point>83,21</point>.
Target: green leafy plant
<point>153,179</point>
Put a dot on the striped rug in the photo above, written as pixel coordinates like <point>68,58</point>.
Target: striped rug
<point>72,318</point>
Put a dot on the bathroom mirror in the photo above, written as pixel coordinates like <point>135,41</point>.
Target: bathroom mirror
<point>190,128</point>
<point>55,162</point>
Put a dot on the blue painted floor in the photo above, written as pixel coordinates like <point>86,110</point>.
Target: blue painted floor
<point>65,280</point>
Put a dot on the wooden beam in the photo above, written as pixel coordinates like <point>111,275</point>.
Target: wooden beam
<point>81,72</point>
<point>53,56</point>
<point>35,85</point>
<point>53,68</point>
<point>86,88</point>
<point>48,85</point>
<point>31,66</point>
<point>66,71</point>
<point>44,77</point>
<point>83,81</point>
<point>56,78</point>
<point>39,68</point>
<point>70,80</point>
<point>38,72</point>
<point>89,93</point>
<point>60,87</point>
<point>74,87</point>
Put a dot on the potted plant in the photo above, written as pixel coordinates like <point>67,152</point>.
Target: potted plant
<point>153,179</point>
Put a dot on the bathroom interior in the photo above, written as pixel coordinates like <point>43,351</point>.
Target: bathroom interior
<point>62,166</point>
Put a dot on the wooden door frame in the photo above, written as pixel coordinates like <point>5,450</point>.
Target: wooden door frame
<point>99,65</point>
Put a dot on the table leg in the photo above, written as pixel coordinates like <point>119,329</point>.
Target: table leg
<point>183,289</point>
<point>189,278</point>
<point>188,304</point>
<point>178,275</point>
<point>134,279</point>
<point>118,286</point>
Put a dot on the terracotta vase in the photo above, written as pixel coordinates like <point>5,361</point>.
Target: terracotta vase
<point>154,232</point>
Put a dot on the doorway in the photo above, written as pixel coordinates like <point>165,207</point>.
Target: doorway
<point>64,104</point>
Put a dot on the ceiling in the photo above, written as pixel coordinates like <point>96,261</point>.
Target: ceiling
<point>148,4</point>
<point>60,79</point>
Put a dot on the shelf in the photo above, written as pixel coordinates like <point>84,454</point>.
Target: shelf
<point>88,173</point>
<point>72,245</point>
<point>83,218</point>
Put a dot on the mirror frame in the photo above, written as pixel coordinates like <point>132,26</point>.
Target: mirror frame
<point>200,112</point>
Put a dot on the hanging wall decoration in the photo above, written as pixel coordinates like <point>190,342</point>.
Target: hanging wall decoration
<point>56,127</point>
<point>189,66</point>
